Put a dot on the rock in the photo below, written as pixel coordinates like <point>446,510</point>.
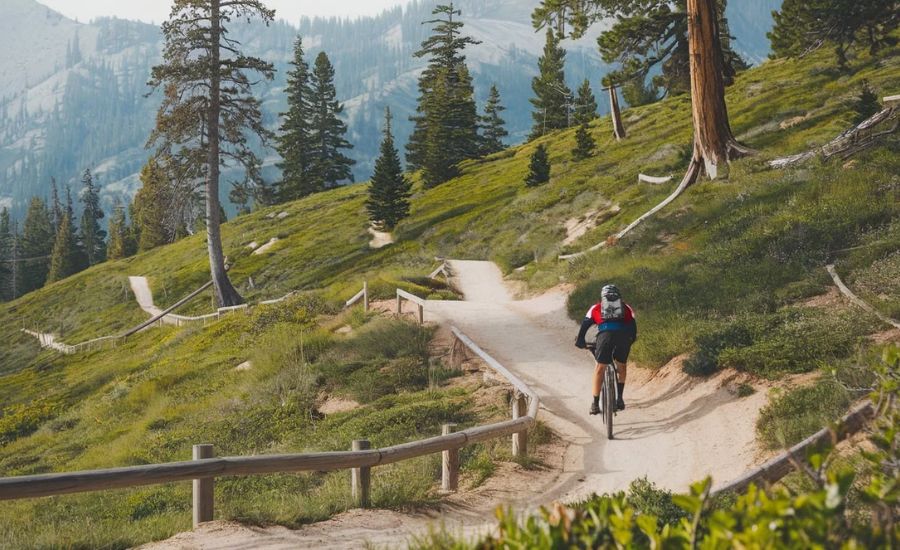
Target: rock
<point>282,215</point>
<point>246,365</point>
<point>266,247</point>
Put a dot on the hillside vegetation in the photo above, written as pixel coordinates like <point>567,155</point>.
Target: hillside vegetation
<point>724,274</point>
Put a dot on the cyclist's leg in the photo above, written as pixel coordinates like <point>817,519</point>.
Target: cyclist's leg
<point>603,356</point>
<point>620,356</point>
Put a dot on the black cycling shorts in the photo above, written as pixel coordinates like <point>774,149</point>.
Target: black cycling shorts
<point>613,344</point>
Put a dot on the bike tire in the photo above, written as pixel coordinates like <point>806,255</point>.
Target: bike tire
<point>609,402</point>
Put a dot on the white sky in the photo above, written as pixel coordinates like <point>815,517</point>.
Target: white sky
<point>157,11</point>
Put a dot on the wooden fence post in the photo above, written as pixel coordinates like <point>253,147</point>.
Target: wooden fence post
<point>203,488</point>
<point>519,439</point>
<point>361,478</point>
<point>449,463</point>
<point>399,303</point>
<point>366,296</point>
<point>421,314</point>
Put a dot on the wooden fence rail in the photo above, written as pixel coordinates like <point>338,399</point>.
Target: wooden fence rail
<point>420,304</point>
<point>361,295</point>
<point>206,467</point>
<point>783,464</point>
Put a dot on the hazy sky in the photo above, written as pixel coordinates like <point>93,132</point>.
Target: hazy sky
<point>158,10</point>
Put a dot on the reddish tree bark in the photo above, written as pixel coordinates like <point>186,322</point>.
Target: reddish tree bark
<point>714,143</point>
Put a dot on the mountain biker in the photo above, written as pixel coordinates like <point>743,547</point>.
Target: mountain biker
<point>617,331</point>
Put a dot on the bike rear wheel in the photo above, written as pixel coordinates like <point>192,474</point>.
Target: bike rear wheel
<point>609,401</point>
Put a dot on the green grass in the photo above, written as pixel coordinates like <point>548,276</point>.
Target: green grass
<point>717,275</point>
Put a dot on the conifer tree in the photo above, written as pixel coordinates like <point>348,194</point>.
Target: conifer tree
<point>150,206</point>
<point>552,96</point>
<point>805,25</point>
<point>92,236</point>
<point>37,244</point>
<point>493,128</point>
<point>295,140</point>
<point>637,92</point>
<point>866,103</point>
<point>6,260</point>
<point>208,108</point>
<point>538,167</point>
<point>446,120</point>
<point>328,164</point>
<point>118,234</point>
<point>390,190</point>
<point>644,35</point>
<point>585,104</point>
<point>63,260</point>
<point>55,205</point>
<point>584,142</point>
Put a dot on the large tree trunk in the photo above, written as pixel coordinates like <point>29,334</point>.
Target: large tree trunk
<point>714,144</point>
<point>226,295</point>
<point>616,114</point>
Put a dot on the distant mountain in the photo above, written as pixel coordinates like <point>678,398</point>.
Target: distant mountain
<point>72,96</point>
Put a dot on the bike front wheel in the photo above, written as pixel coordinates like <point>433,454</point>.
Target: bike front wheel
<point>609,402</point>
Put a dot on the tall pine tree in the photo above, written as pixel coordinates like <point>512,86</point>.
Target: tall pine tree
<point>446,120</point>
<point>149,209</point>
<point>7,264</point>
<point>92,236</point>
<point>118,247</point>
<point>584,142</point>
<point>295,140</point>
<point>328,164</point>
<point>390,190</point>
<point>64,258</point>
<point>37,244</point>
<point>209,108</point>
<point>493,127</point>
<point>551,95</point>
<point>585,104</point>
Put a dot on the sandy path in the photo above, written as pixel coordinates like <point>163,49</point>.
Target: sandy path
<point>675,431</point>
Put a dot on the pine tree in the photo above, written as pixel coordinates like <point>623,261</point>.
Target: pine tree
<point>37,244</point>
<point>390,190</point>
<point>866,103</point>
<point>63,259</point>
<point>493,128</point>
<point>55,205</point>
<point>6,260</point>
<point>637,92</point>
<point>584,142</point>
<point>644,35</point>
<point>328,165</point>
<point>118,234</point>
<point>552,96</point>
<point>208,108</point>
<point>295,142</point>
<point>150,207</point>
<point>538,167</point>
<point>805,25</point>
<point>585,104</point>
<point>446,120</point>
<point>91,235</point>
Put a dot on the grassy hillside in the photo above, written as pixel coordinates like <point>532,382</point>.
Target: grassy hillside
<point>724,274</point>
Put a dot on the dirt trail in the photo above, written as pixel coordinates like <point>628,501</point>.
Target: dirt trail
<point>675,431</point>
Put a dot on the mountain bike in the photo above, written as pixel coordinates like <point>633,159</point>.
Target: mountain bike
<point>609,394</point>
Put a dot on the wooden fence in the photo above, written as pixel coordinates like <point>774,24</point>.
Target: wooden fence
<point>361,295</point>
<point>205,467</point>
<point>420,304</point>
<point>785,463</point>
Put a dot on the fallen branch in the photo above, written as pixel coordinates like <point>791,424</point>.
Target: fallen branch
<point>653,179</point>
<point>856,300</point>
<point>689,177</point>
<point>854,139</point>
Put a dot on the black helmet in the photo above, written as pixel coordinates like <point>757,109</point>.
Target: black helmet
<point>610,292</point>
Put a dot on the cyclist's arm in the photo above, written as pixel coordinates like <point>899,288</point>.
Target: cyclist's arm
<point>632,327</point>
<point>586,324</point>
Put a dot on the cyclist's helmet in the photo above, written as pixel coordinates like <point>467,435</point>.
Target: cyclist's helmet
<point>611,293</point>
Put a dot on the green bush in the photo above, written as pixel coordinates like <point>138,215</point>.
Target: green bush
<point>798,413</point>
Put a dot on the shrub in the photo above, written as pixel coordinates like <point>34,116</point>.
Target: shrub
<point>800,412</point>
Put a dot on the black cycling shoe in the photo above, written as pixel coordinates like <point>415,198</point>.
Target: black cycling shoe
<point>620,405</point>
<point>595,408</point>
